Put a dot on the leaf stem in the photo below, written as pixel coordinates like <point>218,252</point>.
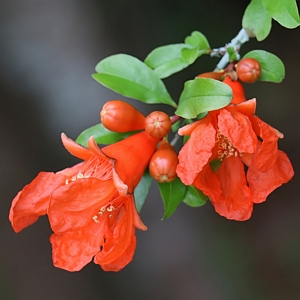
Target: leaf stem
<point>241,38</point>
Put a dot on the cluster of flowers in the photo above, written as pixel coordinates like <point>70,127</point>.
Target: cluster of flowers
<point>91,206</point>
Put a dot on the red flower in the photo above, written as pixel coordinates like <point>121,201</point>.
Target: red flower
<point>90,205</point>
<point>231,135</point>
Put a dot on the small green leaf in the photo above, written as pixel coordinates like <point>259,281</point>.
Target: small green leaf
<point>194,197</point>
<point>202,95</point>
<point>166,60</point>
<point>101,135</point>
<point>285,12</point>
<point>272,68</point>
<point>132,78</point>
<point>256,20</point>
<point>197,39</point>
<point>189,55</point>
<point>196,45</point>
<point>142,190</point>
<point>172,194</point>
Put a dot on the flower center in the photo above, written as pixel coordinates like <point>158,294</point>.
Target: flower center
<point>225,148</point>
<point>94,168</point>
<point>108,209</point>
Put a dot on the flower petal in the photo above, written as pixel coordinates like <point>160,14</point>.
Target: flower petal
<point>267,153</point>
<point>75,149</point>
<point>263,183</point>
<point>196,152</point>
<point>247,108</point>
<point>208,182</point>
<point>74,205</point>
<point>238,129</point>
<point>235,203</point>
<point>33,200</point>
<point>119,235</point>
<point>123,260</point>
<point>74,249</point>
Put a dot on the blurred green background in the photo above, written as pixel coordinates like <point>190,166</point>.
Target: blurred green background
<point>48,52</point>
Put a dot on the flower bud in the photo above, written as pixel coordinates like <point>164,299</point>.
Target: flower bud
<point>119,116</point>
<point>163,163</point>
<point>158,124</point>
<point>238,91</point>
<point>248,70</point>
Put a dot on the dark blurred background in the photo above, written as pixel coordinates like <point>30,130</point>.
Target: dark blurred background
<point>48,52</point>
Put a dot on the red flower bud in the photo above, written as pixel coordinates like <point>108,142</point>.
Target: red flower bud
<point>238,91</point>
<point>248,70</point>
<point>163,163</point>
<point>119,116</point>
<point>158,124</point>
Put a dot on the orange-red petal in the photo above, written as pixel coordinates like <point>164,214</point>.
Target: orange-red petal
<point>267,153</point>
<point>75,149</point>
<point>238,129</point>
<point>235,203</point>
<point>118,236</point>
<point>74,249</point>
<point>121,261</point>
<point>247,108</point>
<point>262,184</point>
<point>208,182</point>
<point>74,205</point>
<point>33,200</point>
<point>196,152</point>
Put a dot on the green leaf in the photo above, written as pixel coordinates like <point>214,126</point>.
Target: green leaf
<point>172,194</point>
<point>201,95</point>
<point>285,12</point>
<point>142,190</point>
<point>132,78</point>
<point>189,55</point>
<point>272,68</point>
<point>256,20</point>
<point>197,39</point>
<point>197,45</point>
<point>194,197</point>
<point>101,135</point>
<point>166,60</point>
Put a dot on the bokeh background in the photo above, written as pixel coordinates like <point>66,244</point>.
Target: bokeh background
<point>49,49</point>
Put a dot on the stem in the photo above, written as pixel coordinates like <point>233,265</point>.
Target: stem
<point>241,38</point>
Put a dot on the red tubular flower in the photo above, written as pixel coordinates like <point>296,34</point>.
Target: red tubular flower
<point>231,135</point>
<point>90,205</point>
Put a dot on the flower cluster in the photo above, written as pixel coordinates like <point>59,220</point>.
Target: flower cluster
<point>230,156</point>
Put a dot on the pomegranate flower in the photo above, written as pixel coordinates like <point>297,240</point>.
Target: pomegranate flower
<point>90,206</point>
<point>233,136</point>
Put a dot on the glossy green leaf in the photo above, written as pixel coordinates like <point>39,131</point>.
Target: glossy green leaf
<point>132,78</point>
<point>172,194</point>
<point>142,190</point>
<point>166,60</point>
<point>101,135</point>
<point>201,95</point>
<point>197,39</point>
<point>194,197</point>
<point>256,20</point>
<point>272,68</point>
<point>197,45</point>
<point>285,12</point>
